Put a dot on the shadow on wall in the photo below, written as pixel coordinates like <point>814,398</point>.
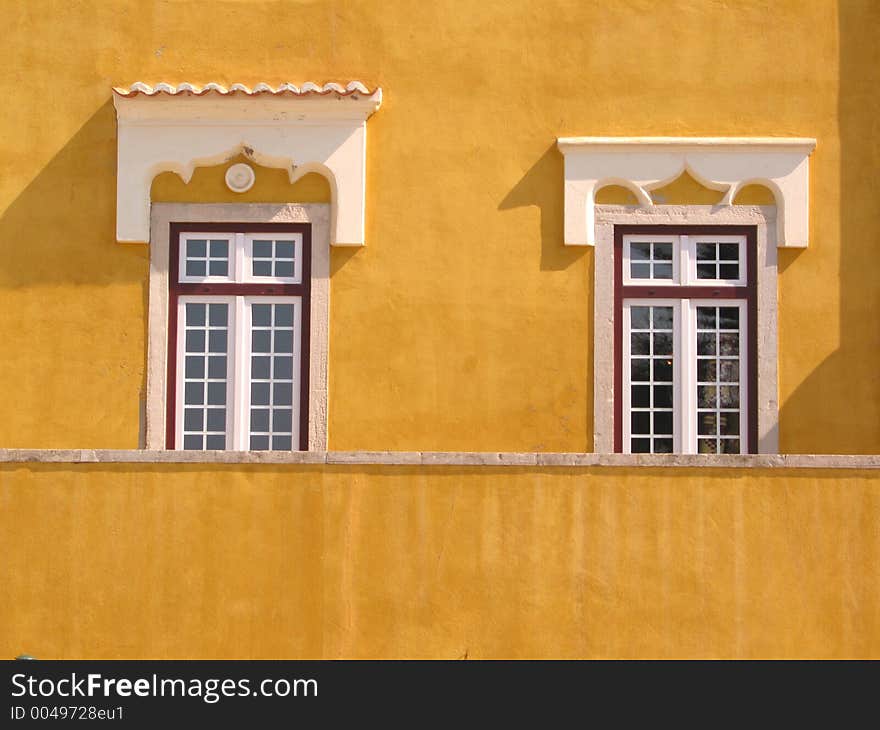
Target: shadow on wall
<point>852,426</point>
<point>542,186</point>
<point>60,230</point>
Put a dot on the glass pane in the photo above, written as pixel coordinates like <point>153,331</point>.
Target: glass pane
<point>728,271</point>
<point>282,394</point>
<point>706,343</point>
<point>641,396</point>
<point>195,341</point>
<point>706,371</point>
<point>662,318</point>
<point>193,441</point>
<point>219,249</point>
<point>640,271</point>
<point>216,419</point>
<point>707,396</point>
<point>259,443</point>
<point>217,314</point>
<point>262,268</point>
<point>261,315</point>
<point>728,318</point>
<point>195,367</point>
<point>283,368</point>
<point>196,248</point>
<point>728,343</point>
<point>217,394</point>
<point>706,424</point>
<point>262,249</point>
<point>284,268</point>
<point>729,252</point>
<point>662,343</point>
<point>706,446</point>
<point>261,340</point>
<point>284,341</point>
<point>284,315</point>
<point>217,341</point>
<point>662,370</point>
<point>729,395</point>
<point>196,268</point>
<point>729,371</point>
<point>193,419</point>
<point>705,252</point>
<point>663,422</point>
<point>195,314</point>
<point>706,271</point>
<point>281,443</point>
<point>640,343</point>
<point>282,420</point>
<point>706,318</point>
<point>640,317</point>
<point>640,251</point>
<point>730,446</point>
<point>194,394</point>
<point>284,249</point>
<point>260,367</point>
<point>663,251</point>
<point>640,370</point>
<point>729,423</point>
<point>662,396</point>
<point>218,268</point>
<point>663,446</point>
<point>640,446</point>
<point>260,394</point>
<point>259,419</point>
<point>662,271</point>
<point>640,422</point>
<point>215,442</point>
<point>217,367</point>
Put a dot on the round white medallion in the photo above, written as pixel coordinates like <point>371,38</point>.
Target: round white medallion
<point>240,178</point>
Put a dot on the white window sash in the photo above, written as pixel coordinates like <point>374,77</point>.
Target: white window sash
<point>238,365</point>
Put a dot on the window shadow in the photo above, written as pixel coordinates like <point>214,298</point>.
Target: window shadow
<point>542,187</point>
<point>833,410</point>
<point>61,228</point>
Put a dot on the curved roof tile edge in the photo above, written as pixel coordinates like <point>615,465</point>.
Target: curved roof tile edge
<point>353,87</point>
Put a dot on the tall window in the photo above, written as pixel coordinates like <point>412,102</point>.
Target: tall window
<point>685,339</point>
<point>238,348</point>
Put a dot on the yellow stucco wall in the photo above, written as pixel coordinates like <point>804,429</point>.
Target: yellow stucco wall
<point>351,561</point>
<point>464,324</point>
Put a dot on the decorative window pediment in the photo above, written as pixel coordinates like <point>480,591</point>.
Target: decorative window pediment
<point>643,164</point>
<point>301,129</point>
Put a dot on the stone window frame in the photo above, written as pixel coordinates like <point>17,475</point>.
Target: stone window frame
<point>763,218</point>
<point>162,215</point>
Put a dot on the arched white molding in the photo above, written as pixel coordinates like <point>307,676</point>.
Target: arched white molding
<point>302,130</point>
<point>643,164</point>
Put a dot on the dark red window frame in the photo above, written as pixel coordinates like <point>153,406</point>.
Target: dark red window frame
<point>177,289</point>
<point>749,292</point>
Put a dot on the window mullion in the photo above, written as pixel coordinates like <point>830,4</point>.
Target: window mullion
<point>687,378</point>
<point>237,354</point>
<point>240,262</point>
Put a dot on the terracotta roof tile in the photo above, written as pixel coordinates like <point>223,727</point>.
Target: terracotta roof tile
<point>353,87</point>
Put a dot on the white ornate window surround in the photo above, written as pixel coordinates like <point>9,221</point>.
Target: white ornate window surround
<point>301,129</point>
<point>763,219</point>
<point>163,215</point>
<point>643,164</point>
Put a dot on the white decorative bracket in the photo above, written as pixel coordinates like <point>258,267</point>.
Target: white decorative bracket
<point>308,129</point>
<point>642,164</point>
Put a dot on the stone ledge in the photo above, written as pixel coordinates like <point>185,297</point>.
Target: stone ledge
<point>440,458</point>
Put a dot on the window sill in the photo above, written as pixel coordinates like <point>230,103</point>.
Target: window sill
<point>443,458</point>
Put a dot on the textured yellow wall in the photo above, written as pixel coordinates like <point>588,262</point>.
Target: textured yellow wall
<point>282,561</point>
<point>464,324</point>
